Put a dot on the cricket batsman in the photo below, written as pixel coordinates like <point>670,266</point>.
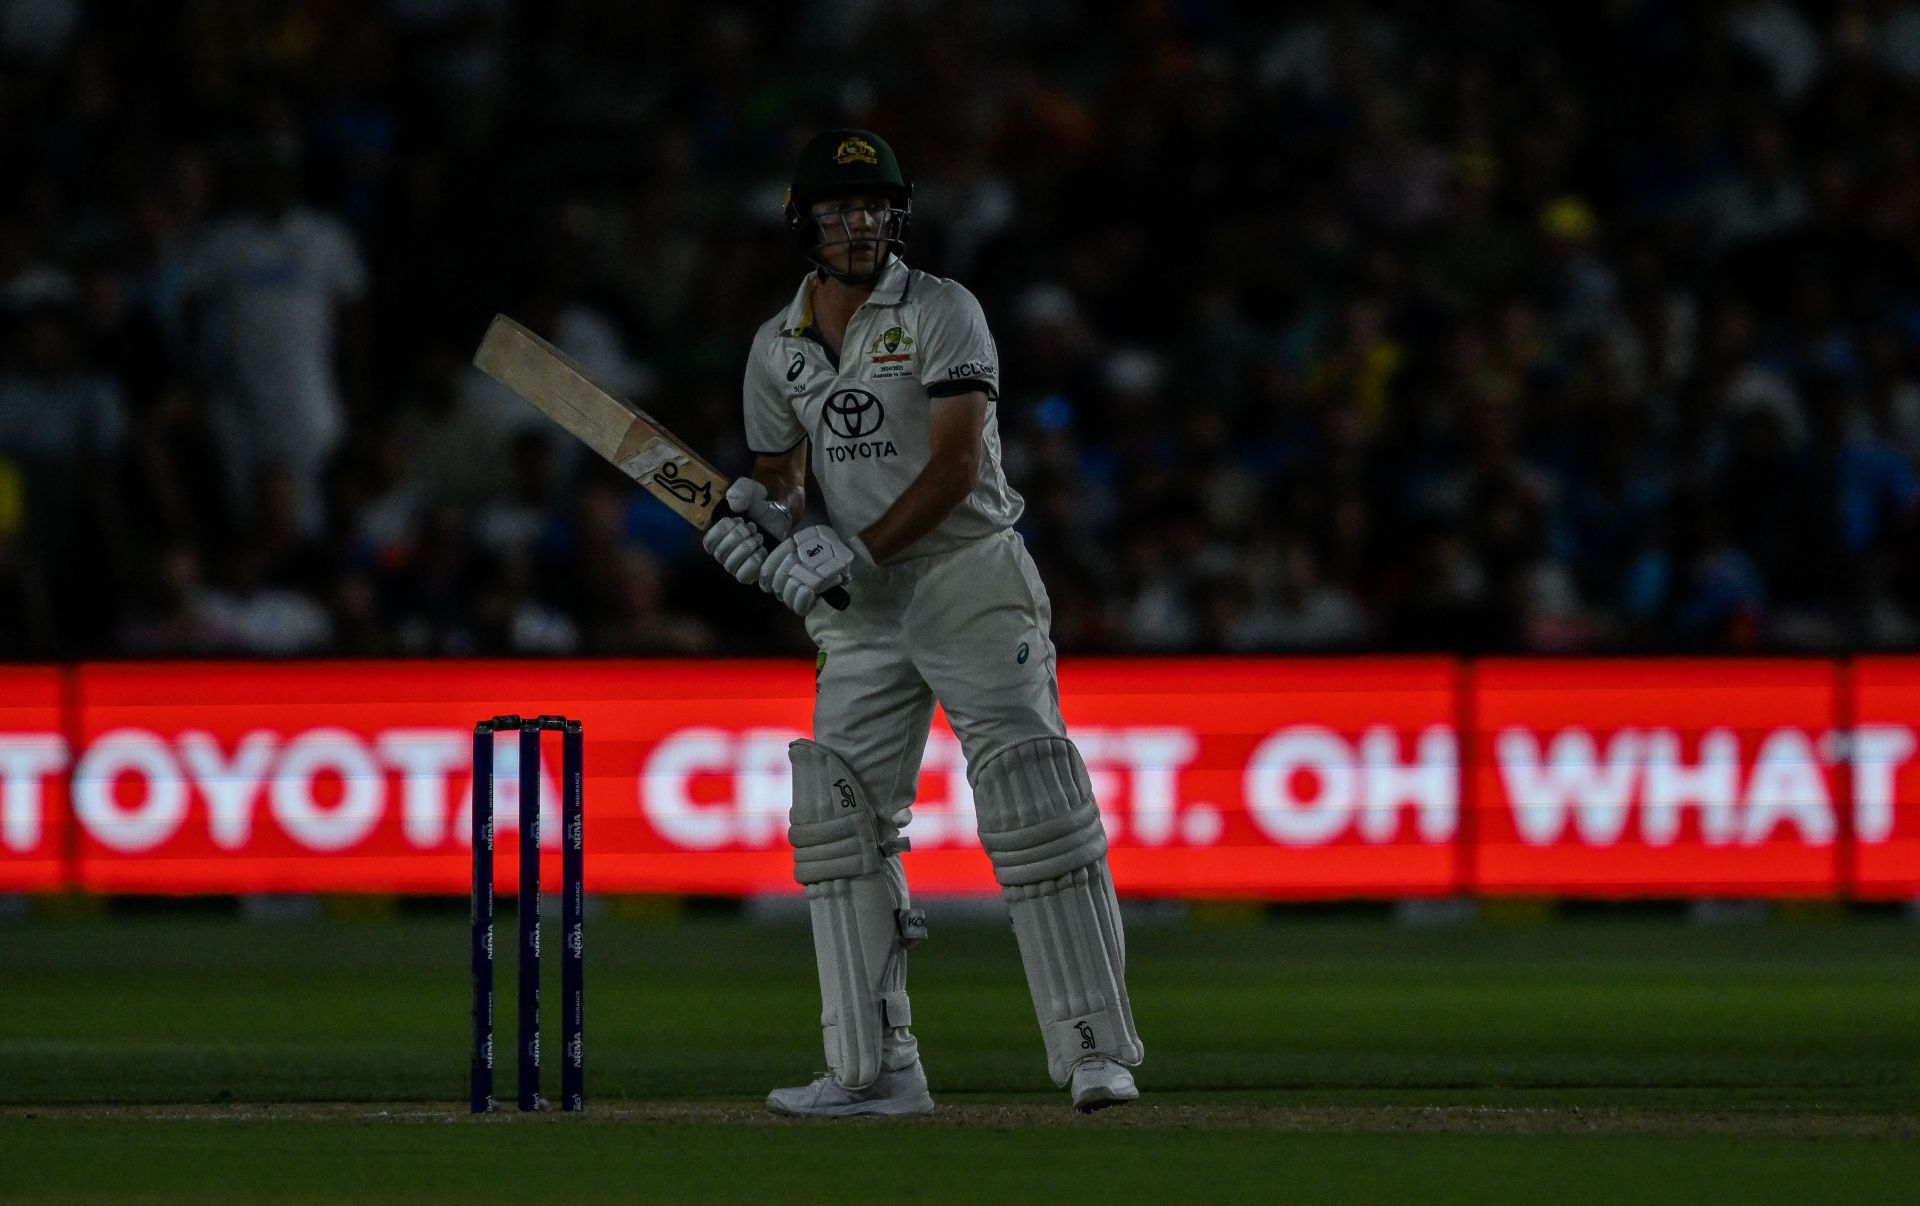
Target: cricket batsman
<point>884,379</point>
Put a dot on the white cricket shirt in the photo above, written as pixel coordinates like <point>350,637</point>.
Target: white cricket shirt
<point>917,338</point>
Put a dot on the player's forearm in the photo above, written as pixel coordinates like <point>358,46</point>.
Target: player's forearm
<point>953,468</point>
<point>922,507</point>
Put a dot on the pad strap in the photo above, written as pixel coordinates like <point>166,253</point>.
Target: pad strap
<point>841,848</point>
<point>896,1010</point>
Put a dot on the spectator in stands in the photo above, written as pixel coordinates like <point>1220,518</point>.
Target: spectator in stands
<point>276,289</point>
<point>1331,330</point>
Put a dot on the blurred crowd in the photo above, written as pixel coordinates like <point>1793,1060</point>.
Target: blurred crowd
<point>1525,327</point>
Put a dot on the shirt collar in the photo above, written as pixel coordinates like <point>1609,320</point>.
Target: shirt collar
<point>889,290</point>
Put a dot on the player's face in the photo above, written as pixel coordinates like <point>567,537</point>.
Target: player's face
<point>853,231</point>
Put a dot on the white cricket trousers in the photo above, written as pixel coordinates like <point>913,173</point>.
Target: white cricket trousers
<point>968,628</point>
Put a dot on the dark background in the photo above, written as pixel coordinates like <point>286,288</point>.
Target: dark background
<point>1485,327</point>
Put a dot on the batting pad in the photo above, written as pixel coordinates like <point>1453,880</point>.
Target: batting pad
<point>1041,828</point>
<point>1038,820</point>
<point>862,925</point>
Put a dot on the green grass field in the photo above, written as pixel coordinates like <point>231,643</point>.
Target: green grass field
<point>182,1059</point>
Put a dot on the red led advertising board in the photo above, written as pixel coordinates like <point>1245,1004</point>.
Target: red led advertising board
<point>358,776</point>
<point>1886,778</point>
<point>1282,779</point>
<point>1276,779</point>
<point>33,785</point>
<point>1310,778</point>
<point>1668,778</point>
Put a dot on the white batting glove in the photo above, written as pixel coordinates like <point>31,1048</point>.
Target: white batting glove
<point>810,563</point>
<point>735,541</point>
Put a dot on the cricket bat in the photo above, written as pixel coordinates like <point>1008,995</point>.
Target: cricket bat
<point>619,431</point>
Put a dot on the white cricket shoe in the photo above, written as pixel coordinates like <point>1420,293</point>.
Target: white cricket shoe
<point>1099,1082</point>
<point>894,1094</point>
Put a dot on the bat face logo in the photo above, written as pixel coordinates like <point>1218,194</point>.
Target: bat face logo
<point>698,493</point>
<point>853,413</point>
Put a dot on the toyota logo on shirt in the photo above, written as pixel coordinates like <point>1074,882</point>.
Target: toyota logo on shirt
<point>853,413</point>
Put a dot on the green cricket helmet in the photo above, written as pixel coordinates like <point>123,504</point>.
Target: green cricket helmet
<point>846,161</point>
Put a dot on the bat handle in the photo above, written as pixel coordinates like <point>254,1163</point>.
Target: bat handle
<point>837,598</point>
